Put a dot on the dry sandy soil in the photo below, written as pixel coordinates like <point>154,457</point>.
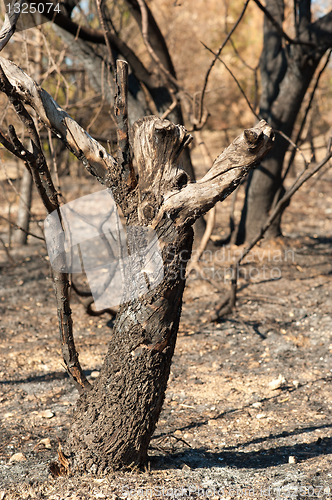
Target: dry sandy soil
<point>227,430</point>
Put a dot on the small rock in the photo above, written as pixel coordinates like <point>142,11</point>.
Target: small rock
<point>17,457</point>
<point>257,405</point>
<point>261,415</point>
<point>277,383</point>
<point>46,414</point>
<point>95,374</point>
<point>292,459</point>
<point>186,468</point>
<point>178,432</point>
<point>46,442</point>
<point>296,384</point>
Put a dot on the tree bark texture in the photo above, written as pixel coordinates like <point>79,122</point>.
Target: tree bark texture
<point>286,73</point>
<point>114,422</point>
<point>115,419</point>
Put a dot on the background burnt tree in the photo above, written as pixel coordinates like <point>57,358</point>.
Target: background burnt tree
<point>114,420</point>
<point>154,86</point>
<point>287,66</point>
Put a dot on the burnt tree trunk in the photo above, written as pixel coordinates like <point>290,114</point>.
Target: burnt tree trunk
<point>286,72</point>
<point>115,419</point>
<point>113,423</point>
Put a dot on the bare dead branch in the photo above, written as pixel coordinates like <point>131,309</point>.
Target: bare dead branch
<point>21,228</point>
<point>55,164</point>
<point>288,139</point>
<point>107,42</point>
<point>156,38</point>
<point>237,53</point>
<point>38,168</point>
<point>171,107</point>
<point>145,33</point>
<point>69,352</point>
<point>246,151</point>
<point>60,122</point>
<point>97,36</point>
<point>125,165</point>
<point>216,57</point>
<point>235,79</point>
<point>292,143</point>
<point>93,155</point>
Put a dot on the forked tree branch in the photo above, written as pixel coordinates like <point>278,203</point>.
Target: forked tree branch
<point>245,152</point>
<point>201,106</point>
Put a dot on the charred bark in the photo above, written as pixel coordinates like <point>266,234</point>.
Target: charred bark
<point>114,422</point>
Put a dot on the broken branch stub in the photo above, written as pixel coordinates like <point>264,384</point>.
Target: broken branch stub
<point>163,186</point>
<point>157,146</point>
<point>186,205</point>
